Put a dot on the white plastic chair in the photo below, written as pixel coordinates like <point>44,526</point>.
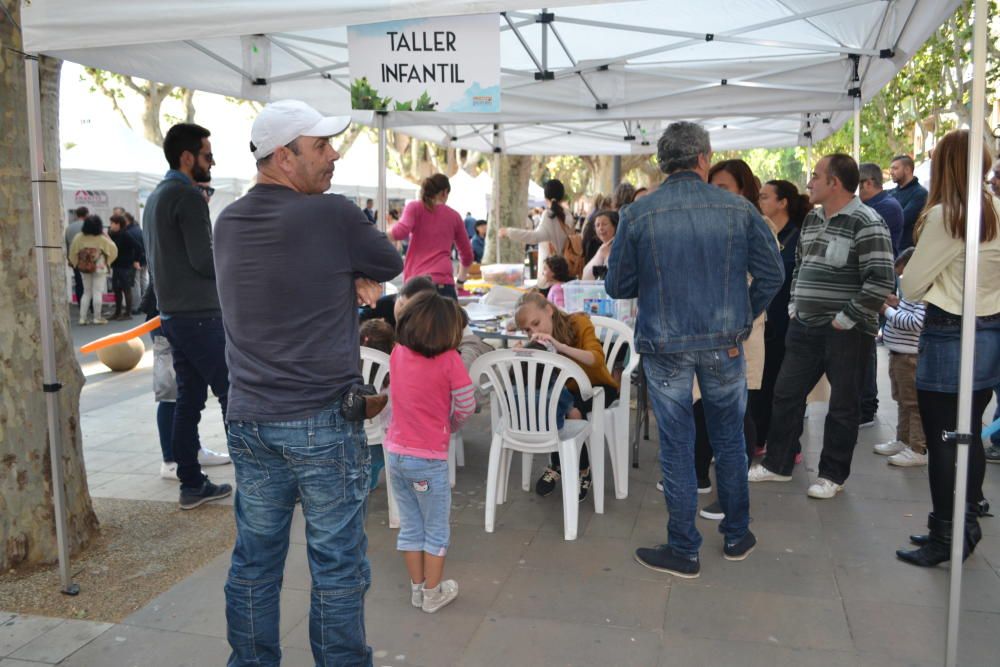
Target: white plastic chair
<point>525,387</point>
<point>616,336</point>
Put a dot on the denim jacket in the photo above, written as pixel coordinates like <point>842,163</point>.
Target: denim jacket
<point>685,251</point>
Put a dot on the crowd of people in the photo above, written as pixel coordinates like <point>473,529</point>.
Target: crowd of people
<point>748,293</point>
<point>94,252</point>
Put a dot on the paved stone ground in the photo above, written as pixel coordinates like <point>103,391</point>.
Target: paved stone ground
<point>823,588</point>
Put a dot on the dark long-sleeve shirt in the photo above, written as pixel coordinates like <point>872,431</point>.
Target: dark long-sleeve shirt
<point>286,264</point>
<point>912,198</point>
<point>892,214</point>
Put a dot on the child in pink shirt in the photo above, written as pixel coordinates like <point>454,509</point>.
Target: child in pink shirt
<point>432,396</point>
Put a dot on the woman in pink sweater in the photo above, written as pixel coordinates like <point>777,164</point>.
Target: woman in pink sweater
<point>433,228</point>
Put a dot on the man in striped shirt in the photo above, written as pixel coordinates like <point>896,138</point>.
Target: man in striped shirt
<point>843,273</point>
<point>904,320</point>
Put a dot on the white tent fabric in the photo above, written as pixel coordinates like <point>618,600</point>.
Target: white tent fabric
<point>470,195</point>
<point>356,174</point>
<point>109,166</point>
<point>756,72</point>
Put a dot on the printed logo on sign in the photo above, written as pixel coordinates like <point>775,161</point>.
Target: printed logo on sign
<point>482,101</point>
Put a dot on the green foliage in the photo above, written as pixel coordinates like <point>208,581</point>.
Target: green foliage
<point>364,96</point>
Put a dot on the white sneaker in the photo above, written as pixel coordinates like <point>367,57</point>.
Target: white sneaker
<point>207,457</point>
<point>169,471</point>
<point>907,458</point>
<point>824,488</point>
<point>440,596</point>
<point>659,485</point>
<point>868,424</point>
<point>758,473</point>
<point>417,594</point>
<point>889,448</point>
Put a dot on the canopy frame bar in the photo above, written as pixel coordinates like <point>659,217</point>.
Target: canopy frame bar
<point>219,59</point>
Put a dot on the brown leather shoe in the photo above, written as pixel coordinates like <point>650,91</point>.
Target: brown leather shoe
<point>375,404</point>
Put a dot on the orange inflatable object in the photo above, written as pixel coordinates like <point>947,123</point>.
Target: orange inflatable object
<point>114,339</point>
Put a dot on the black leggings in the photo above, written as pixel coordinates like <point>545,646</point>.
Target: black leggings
<point>939,413</point>
<point>703,447</point>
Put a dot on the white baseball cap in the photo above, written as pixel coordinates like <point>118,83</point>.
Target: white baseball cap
<point>280,123</point>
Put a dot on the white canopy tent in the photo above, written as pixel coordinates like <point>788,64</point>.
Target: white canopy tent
<point>356,174</point>
<point>112,166</point>
<point>578,79</point>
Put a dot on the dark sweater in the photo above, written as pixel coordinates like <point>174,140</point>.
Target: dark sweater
<point>177,232</point>
<point>912,198</point>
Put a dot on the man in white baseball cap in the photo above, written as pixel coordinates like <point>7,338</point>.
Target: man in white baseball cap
<point>291,264</point>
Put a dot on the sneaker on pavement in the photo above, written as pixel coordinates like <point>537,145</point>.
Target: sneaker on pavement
<point>169,471</point>
<point>191,498</point>
<point>546,484</point>
<point>663,559</point>
<point>889,448</point>
<point>659,485</point>
<point>586,481</point>
<point>758,473</point>
<point>417,594</point>
<point>101,321</point>
<point>908,458</point>
<point>439,596</point>
<point>713,512</point>
<point>207,457</point>
<point>824,488</point>
<point>867,422</point>
<point>993,454</point>
<point>704,486</point>
<point>740,549</point>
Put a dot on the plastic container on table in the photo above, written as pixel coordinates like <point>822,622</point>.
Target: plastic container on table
<point>590,297</point>
<point>503,274</point>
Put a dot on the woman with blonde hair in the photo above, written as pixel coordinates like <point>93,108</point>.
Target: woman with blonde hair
<point>432,228</point>
<point>935,275</point>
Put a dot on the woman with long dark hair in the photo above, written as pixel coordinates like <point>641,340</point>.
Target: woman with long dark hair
<point>935,275</point>
<point>553,230</point>
<point>782,204</point>
<point>432,228</point>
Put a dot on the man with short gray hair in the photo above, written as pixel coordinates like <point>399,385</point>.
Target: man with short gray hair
<point>685,251</point>
<point>874,197</point>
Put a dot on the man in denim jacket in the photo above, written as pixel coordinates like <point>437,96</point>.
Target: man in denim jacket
<point>685,251</point>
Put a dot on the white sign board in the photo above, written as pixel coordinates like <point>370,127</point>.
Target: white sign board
<point>435,64</point>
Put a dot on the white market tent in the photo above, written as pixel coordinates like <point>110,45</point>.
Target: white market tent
<point>585,77</point>
<point>113,166</point>
<point>470,194</point>
<point>356,174</point>
<point>582,78</point>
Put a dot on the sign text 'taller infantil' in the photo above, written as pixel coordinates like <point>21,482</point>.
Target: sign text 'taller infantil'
<point>449,64</point>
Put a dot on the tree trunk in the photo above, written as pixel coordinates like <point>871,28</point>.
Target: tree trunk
<point>509,207</point>
<point>151,112</point>
<point>187,98</point>
<point>27,527</point>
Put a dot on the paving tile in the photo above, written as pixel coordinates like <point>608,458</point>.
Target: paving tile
<point>612,601</point>
<point>696,652</point>
<point>13,662</point>
<point>916,633</point>
<point>765,571</point>
<point>782,620</point>
<point>589,557</point>
<point>61,641</point>
<point>18,630</point>
<point>503,641</point>
<point>129,646</point>
<point>907,584</point>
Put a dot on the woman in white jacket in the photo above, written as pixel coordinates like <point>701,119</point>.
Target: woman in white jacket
<point>550,234</point>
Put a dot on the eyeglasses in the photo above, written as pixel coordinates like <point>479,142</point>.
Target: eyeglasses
<point>207,189</point>
<point>208,156</point>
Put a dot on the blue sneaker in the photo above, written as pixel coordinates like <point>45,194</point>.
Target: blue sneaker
<point>663,559</point>
<point>740,549</point>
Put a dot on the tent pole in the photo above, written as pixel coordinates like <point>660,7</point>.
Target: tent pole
<point>383,195</point>
<point>50,383</point>
<point>857,129</point>
<point>496,187</point>
<point>962,438</point>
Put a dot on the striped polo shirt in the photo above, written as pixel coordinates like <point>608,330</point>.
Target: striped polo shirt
<point>843,268</point>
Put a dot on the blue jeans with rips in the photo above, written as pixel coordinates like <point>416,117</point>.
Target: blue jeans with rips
<point>722,378</point>
<point>323,463</point>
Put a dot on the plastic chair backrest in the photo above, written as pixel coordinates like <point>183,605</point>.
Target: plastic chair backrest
<point>614,336</point>
<point>527,384</point>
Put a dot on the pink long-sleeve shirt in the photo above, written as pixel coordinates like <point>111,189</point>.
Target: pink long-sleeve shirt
<point>431,397</point>
<point>431,235</point>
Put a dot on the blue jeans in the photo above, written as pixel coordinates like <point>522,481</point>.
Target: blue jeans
<point>199,349</point>
<point>423,494</point>
<point>323,463</point>
<point>995,438</point>
<point>722,379</point>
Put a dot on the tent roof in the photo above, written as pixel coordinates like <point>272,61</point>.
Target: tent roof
<point>756,72</point>
<point>356,173</point>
